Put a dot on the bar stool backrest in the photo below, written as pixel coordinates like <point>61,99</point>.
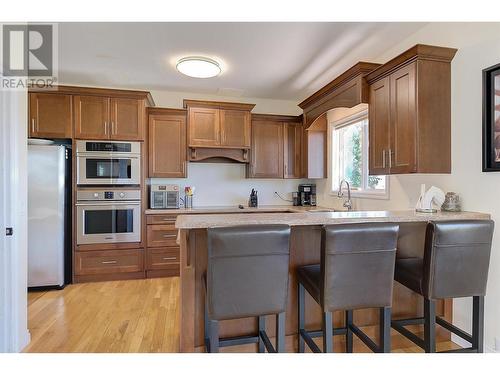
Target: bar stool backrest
<point>457,258</point>
<point>247,271</point>
<point>357,265</point>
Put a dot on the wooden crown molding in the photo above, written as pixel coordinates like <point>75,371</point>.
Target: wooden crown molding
<point>95,91</point>
<point>418,51</point>
<point>166,111</point>
<point>220,105</point>
<point>277,118</point>
<point>361,68</point>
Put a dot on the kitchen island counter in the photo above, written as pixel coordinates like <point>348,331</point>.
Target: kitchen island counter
<point>305,248</point>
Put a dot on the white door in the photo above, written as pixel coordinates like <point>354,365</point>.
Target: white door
<point>14,335</point>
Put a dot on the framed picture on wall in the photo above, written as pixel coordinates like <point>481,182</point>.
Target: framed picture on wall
<point>491,119</point>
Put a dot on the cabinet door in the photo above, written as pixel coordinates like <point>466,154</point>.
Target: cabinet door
<point>92,117</point>
<point>379,127</point>
<point>267,150</point>
<point>127,119</point>
<point>235,128</point>
<point>292,150</point>
<point>167,146</point>
<point>51,116</point>
<point>403,120</point>
<point>203,126</point>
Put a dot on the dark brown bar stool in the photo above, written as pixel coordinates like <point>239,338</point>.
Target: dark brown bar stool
<point>455,264</point>
<point>356,272</point>
<point>247,276</point>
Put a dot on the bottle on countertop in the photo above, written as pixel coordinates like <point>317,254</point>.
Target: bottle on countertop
<point>253,200</point>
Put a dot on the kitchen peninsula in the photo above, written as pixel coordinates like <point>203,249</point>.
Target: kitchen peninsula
<point>304,249</point>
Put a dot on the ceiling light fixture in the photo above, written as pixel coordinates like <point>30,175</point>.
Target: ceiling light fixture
<point>198,67</point>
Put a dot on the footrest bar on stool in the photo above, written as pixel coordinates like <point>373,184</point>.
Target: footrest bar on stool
<point>267,343</point>
<point>309,341</point>
<point>364,337</point>
<point>409,322</point>
<point>450,327</point>
<point>406,333</point>
<point>335,332</point>
<point>461,350</point>
<point>239,340</point>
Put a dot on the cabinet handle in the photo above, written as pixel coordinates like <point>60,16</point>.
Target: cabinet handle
<point>105,127</point>
<point>113,128</point>
<point>169,235</point>
<point>390,158</point>
<point>109,262</point>
<point>32,125</point>
<point>169,258</point>
<point>169,219</point>
<point>383,159</point>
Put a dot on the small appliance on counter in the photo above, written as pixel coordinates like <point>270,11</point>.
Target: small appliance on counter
<point>296,198</point>
<point>253,201</point>
<point>164,196</point>
<point>307,194</point>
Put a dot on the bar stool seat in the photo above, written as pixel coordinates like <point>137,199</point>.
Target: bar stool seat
<point>410,272</point>
<point>310,278</point>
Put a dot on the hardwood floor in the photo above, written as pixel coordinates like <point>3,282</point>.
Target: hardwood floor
<point>127,316</point>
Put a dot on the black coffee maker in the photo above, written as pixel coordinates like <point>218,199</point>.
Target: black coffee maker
<point>307,194</point>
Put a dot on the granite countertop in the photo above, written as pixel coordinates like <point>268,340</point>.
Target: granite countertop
<point>318,218</point>
<point>235,209</point>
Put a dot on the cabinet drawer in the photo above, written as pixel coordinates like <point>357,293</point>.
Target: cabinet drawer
<point>162,258</point>
<point>111,261</point>
<point>162,235</point>
<point>161,219</point>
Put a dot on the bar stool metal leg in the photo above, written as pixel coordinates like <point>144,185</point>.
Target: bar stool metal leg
<point>262,328</point>
<point>327,332</point>
<point>280,332</point>
<point>478,323</point>
<point>302,318</point>
<point>429,325</point>
<point>213,336</point>
<point>348,335</point>
<point>385,329</point>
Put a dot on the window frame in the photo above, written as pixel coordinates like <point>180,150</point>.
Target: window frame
<point>334,167</point>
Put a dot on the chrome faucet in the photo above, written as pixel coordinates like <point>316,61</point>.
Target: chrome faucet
<point>347,203</point>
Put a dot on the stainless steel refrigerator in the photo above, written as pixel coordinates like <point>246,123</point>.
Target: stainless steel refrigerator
<point>49,207</point>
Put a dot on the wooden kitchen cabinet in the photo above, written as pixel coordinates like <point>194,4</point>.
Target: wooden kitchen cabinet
<point>102,118</point>
<point>292,146</point>
<point>167,143</point>
<point>379,127</point>
<point>91,117</point>
<point>50,115</point>
<point>266,160</point>
<point>127,119</point>
<point>276,147</point>
<point>234,128</point>
<point>218,124</point>
<point>162,252</point>
<point>204,127</point>
<point>410,113</point>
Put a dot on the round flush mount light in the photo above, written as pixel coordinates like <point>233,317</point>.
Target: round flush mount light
<point>198,67</point>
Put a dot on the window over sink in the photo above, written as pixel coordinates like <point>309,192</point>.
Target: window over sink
<point>349,158</point>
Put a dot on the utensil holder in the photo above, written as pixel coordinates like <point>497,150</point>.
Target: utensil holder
<point>188,201</point>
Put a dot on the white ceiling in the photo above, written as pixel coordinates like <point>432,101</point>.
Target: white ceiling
<point>286,61</point>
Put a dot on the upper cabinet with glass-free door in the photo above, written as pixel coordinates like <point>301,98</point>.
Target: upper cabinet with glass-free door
<point>99,117</point>
<point>50,115</point>
<point>410,113</point>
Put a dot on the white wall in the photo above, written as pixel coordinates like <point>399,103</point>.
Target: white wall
<point>478,48</point>
<point>221,184</point>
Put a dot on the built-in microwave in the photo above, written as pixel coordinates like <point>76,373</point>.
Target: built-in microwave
<point>108,216</point>
<point>108,163</point>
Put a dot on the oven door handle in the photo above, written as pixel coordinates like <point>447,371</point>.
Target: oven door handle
<point>107,156</point>
<point>109,203</point>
